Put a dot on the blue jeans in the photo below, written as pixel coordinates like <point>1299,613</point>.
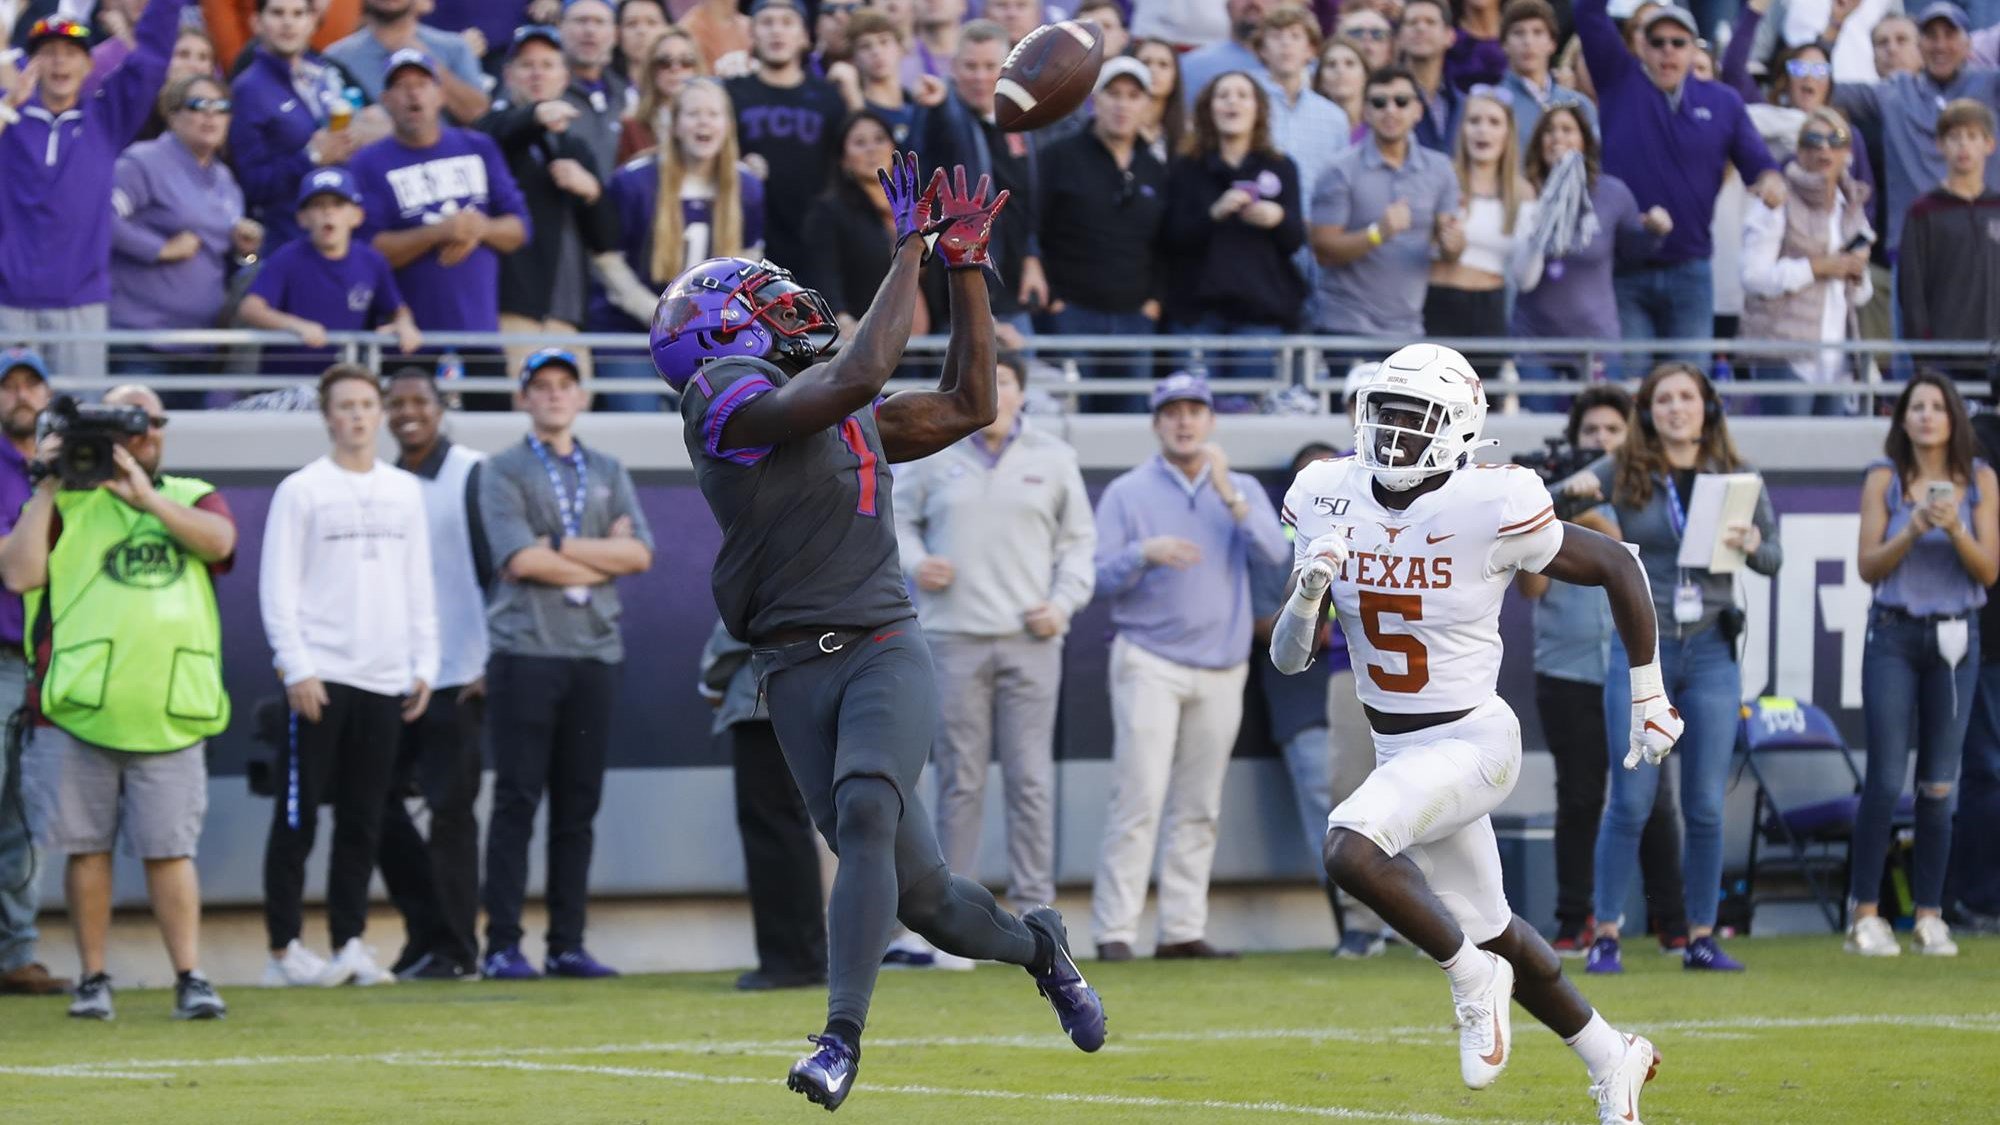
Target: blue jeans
<point>1309,760</point>
<point>1249,364</point>
<point>1974,876</point>
<point>627,365</point>
<point>1074,320</point>
<point>1704,683</point>
<point>1903,679</point>
<point>1795,406</point>
<point>1665,303</point>
<point>17,845</point>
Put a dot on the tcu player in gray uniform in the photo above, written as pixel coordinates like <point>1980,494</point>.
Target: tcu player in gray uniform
<point>792,451</point>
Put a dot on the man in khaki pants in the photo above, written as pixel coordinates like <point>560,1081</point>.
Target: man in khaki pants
<point>1174,541</point>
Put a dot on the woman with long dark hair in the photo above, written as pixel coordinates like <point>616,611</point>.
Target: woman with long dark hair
<point>1930,545</point>
<point>1680,434</point>
<point>853,233</point>
<point>1233,220</point>
<point>1166,126</point>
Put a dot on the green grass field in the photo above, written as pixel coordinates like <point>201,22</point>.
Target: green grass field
<point>1807,1036</point>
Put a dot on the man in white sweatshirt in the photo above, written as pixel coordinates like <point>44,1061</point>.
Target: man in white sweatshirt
<point>350,612</point>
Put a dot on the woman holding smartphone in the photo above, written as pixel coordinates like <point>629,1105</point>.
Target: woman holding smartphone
<point>1930,544</point>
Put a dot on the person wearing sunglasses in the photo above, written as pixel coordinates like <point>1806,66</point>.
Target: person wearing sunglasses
<point>673,60</point>
<point>1805,265</point>
<point>60,153</point>
<point>1673,137</point>
<point>1371,34</point>
<point>177,218</point>
<point>119,748</point>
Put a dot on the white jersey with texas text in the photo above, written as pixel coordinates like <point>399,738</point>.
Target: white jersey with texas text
<point>1419,596</point>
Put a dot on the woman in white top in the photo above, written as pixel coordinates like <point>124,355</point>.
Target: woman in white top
<point>1468,295</point>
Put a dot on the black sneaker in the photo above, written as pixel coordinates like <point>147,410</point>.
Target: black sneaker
<point>411,956</point>
<point>195,998</point>
<point>92,998</point>
<point>437,966</point>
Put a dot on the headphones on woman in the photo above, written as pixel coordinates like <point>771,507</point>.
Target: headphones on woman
<point>1711,402</point>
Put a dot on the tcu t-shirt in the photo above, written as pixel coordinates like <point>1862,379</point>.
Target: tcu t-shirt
<point>635,195</point>
<point>792,129</point>
<point>415,187</point>
<point>351,294</point>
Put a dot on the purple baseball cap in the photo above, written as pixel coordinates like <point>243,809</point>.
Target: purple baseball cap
<point>1944,10</point>
<point>1181,387</point>
<point>408,56</point>
<point>335,181</point>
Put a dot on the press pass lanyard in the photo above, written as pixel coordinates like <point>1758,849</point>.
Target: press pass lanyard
<point>1687,594</point>
<point>568,508</point>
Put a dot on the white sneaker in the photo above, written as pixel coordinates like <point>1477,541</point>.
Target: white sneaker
<point>1933,937</point>
<point>356,963</point>
<point>1872,937</point>
<point>1486,1027</point>
<point>298,967</point>
<point>1618,1094</point>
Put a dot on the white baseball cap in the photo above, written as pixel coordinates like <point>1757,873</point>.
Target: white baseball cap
<point>1124,66</point>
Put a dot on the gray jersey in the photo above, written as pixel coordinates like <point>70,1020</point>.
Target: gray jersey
<point>808,536</point>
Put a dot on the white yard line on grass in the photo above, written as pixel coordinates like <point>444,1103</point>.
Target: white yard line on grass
<point>1209,1105</point>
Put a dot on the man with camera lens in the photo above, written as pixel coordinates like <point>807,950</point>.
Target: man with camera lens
<point>24,392</point>
<point>116,562</point>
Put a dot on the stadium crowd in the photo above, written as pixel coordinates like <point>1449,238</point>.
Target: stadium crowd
<point>1384,170</point>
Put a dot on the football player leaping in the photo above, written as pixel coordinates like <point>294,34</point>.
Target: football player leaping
<point>1416,546</point>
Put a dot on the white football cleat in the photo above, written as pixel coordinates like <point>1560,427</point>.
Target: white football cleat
<point>299,967</point>
<point>1618,1094</point>
<point>1872,937</point>
<point>1933,938</point>
<point>356,963</point>
<point>1486,1027</point>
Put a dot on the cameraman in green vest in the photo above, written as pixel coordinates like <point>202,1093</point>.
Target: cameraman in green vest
<point>126,643</point>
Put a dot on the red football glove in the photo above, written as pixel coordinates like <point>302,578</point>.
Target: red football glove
<point>964,223</point>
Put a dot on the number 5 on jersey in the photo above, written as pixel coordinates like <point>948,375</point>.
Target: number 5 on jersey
<point>1416,672</point>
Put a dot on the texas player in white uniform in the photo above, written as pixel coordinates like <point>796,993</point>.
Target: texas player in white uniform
<point>1416,547</point>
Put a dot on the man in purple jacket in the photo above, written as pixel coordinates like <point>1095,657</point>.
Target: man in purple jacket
<point>1671,137</point>
<point>58,152</point>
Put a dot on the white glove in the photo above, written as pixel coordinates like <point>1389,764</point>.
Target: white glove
<point>1324,557</point>
<point>1656,726</point>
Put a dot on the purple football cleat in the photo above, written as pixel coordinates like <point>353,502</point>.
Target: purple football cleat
<point>1077,1007</point>
<point>826,1076</point>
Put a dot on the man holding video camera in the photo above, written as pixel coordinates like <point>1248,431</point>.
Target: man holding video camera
<point>116,563</point>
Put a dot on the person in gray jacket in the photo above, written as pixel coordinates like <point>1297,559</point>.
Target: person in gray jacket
<point>996,535</point>
<point>780,861</point>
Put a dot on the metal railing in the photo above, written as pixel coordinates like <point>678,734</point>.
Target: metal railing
<point>1310,369</point>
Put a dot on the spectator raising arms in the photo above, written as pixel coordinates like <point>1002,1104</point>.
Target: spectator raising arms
<point>785,118</point>
<point>854,233</point>
<point>350,611</point>
<point>720,213</point>
<point>545,286</point>
<point>673,60</point>
<point>1164,125</point>
<point>177,217</point>
<point>59,153</point>
<point>1805,265</point>
<point>874,78</point>
<point>1233,220</point>
<point>294,111</point>
<point>1930,544</point>
<point>1584,219</point>
<point>1467,294</point>
<point>441,204</point>
<point>1650,481</point>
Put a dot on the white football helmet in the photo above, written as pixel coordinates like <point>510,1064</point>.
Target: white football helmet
<point>1419,414</point>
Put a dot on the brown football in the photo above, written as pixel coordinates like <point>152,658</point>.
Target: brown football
<point>1047,75</point>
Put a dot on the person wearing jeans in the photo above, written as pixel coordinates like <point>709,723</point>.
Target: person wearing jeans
<point>1930,544</point>
<point>1649,481</point>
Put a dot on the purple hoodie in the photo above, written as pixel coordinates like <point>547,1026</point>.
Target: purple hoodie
<point>55,198</point>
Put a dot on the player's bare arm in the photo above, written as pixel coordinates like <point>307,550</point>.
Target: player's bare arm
<point>918,423</point>
<point>1588,558</point>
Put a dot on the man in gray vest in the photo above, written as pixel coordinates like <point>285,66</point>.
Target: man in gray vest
<point>435,883</point>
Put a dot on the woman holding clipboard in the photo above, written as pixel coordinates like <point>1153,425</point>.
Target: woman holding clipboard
<point>1930,545</point>
<point>1678,434</point>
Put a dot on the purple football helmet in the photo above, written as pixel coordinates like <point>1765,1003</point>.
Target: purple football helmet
<point>736,307</point>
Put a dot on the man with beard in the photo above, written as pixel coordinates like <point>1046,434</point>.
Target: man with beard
<point>785,121</point>
<point>24,392</point>
<point>390,27</point>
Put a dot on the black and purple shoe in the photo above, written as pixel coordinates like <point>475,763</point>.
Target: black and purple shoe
<point>826,1076</point>
<point>1703,954</point>
<point>579,964</point>
<point>1062,985</point>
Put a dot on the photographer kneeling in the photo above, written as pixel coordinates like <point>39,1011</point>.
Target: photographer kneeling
<point>115,563</point>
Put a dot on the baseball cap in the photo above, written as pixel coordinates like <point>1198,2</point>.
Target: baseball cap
<point>29,358</point>
<point>534,363</point>
<point>408,56</point>
<point>1675,13</point>
<point>528,33</point>
<point>1943,10</point>
<point>1181,387</point>
<point>329,181</point>
<point>795,5</point>
<point>1124,66</point>
<point>58,27</point>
